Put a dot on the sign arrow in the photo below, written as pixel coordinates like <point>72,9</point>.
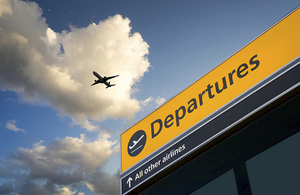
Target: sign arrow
<point>129,181</point>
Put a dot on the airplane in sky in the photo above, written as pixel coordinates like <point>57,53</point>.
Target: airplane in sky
<point>103,80</point>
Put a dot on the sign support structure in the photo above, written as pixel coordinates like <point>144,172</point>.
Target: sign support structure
<point>213,107</point>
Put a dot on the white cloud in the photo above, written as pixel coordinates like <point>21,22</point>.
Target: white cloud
<point>58,167</point>
<point>34,64</point>
<point>85,124</point>
<point>147,101</point>
<point>159,101</point>
<point>5,8</point>
<point>11,125</point>
<point>67,191</point>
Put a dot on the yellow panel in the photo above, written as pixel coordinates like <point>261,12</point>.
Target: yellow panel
<point>262,57</point>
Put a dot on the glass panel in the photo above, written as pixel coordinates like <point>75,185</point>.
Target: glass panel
<point>276,170</point>
<point>225,184</point>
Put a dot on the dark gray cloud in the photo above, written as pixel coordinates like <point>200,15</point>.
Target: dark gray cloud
<point>57,168</point>
<point>103,183</point>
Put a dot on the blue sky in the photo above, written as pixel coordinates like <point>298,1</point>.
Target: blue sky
<point>59,135</point>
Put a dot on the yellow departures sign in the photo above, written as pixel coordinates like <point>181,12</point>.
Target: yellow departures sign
<point>269,52</point>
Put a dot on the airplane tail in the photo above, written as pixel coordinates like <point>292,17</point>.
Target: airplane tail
<point>110,86</point>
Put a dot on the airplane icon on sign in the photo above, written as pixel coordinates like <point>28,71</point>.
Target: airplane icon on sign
<point>136,142</point>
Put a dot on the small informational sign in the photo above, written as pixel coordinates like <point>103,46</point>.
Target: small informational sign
<point>171,132</point>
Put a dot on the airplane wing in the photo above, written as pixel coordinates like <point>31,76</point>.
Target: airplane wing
<point>97,75</point>
<point>107,78</point>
